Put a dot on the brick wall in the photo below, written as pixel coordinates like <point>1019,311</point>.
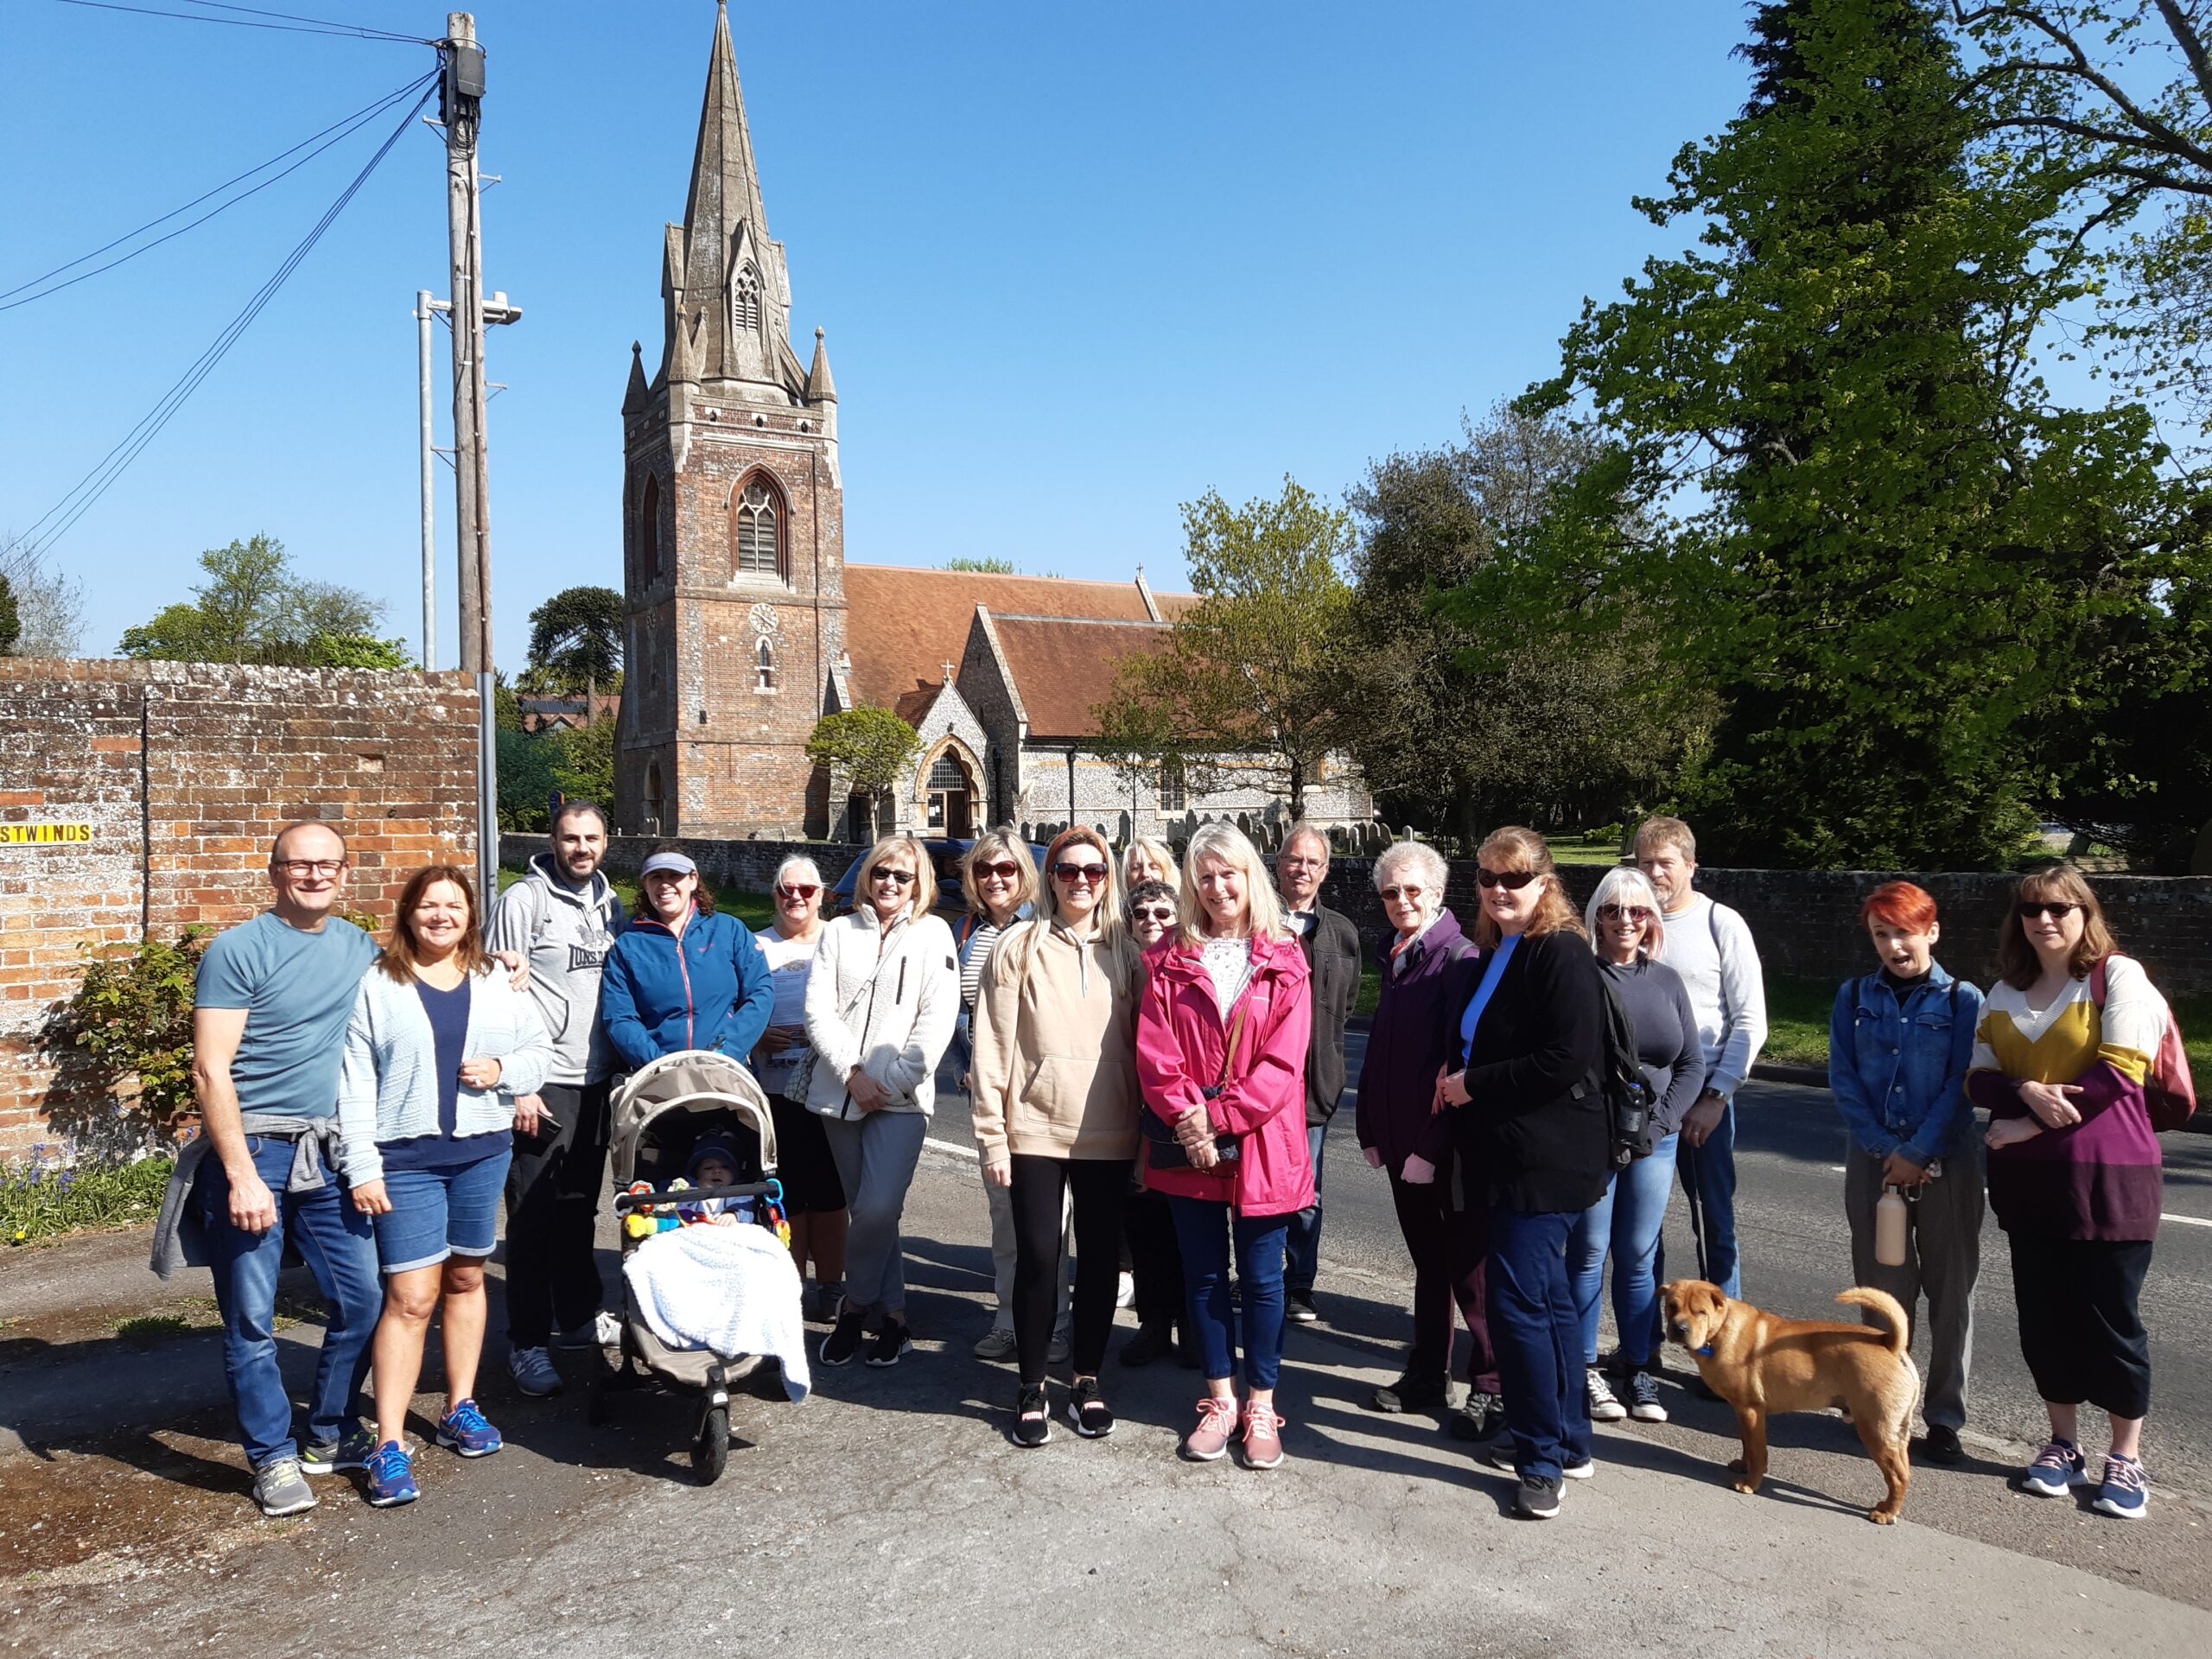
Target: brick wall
<point>1806,922</point>
<point>184,771</point>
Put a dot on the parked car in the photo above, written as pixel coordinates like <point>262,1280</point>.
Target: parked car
<point>946,855</point>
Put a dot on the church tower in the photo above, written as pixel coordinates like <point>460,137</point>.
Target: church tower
<point>733,519</point>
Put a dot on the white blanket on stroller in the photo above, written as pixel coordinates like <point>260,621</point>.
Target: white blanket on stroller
<point>734,1290</point>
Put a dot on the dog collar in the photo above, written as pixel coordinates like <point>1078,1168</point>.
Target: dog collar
<point>1706,1350</point>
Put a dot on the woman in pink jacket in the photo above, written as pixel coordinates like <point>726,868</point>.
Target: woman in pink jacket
<point>1221,1060</point>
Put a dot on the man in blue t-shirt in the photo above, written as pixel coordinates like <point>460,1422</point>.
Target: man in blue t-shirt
<point>273,998</point>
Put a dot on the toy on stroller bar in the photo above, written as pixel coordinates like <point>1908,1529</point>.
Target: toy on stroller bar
<point>661,1114</point>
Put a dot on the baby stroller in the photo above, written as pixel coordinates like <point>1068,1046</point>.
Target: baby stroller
<point>660,1113</point>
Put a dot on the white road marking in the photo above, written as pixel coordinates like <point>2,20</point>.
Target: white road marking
<point>973,1156</point>
<point>2187,1221</point>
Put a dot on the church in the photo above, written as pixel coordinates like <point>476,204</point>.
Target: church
<point>744,623</point>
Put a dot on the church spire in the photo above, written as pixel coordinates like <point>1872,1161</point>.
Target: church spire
<point>820,387</point>
<point>735,309</point>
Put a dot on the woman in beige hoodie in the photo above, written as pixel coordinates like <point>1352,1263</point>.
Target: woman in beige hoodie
<point>1055,1110</point>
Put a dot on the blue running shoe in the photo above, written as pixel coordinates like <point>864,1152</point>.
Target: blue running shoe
<point>464,1430</point>
<point>391,1476</point>
<point>2058,1468</point>
<point>2126,1490</point>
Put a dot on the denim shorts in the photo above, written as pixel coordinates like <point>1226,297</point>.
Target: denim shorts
<point>437,1213</point>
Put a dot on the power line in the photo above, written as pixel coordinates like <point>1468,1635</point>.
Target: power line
<point>298,26</point>
<point>336,133</point>
<point>57,520</point>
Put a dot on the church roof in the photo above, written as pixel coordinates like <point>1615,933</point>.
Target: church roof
<point>1062,666</point>
<point>903,625</point>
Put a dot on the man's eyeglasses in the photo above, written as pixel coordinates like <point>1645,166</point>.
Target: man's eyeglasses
<point>2058,910</point>
<point>1511,880</point>
<point>1411,895</point>
<point>1093,874</point>
<point>1006,870</point>
<point>900,878</point>
<point>1162,913</point>
<point>301,868</point>
<point>1636,913</point>
<point>799,890</point>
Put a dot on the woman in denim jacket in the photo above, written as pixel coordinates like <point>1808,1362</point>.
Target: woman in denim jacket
<point>1900,1043</point>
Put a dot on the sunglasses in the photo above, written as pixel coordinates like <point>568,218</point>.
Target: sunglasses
<point>1391,896</point>
<point>2058,909</point>
<point>802,890</point>
<point>1638,913</point>
<point>1511,880</point>
<point>900,878</point>
<point>1006,870</point>
<point>1093,874</point>
<point>1154,913</point>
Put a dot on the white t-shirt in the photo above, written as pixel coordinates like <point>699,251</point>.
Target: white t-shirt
<point>1710,946</point>
<point>789,963</point>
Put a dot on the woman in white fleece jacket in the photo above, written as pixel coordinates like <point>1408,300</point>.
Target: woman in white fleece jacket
<point>880,1002</point>
<point>439,1045</point>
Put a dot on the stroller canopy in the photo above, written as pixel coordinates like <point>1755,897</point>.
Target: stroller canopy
<point>697,1081</point>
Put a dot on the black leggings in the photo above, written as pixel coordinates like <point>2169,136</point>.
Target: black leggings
<point>2079,1332</point>
<point>1097,1187</point>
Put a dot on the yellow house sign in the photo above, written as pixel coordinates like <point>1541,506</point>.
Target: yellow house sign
<point>41,835</point>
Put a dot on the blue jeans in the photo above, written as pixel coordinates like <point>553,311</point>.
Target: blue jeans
<point>1626,1221</point>
<point>1302,1246</point>
<point>342,1251</point>
<point>1708,1176</point>
<point>1539,1340</point>
<point>1205,1242</point>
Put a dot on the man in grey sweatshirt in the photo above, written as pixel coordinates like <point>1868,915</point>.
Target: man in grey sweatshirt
<point>563,915</point>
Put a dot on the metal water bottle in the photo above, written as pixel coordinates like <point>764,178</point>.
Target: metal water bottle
<point>1890,1228</point>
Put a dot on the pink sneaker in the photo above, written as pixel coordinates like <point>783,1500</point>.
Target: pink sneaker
<point>1217,1428</point>
<point>1262,1436</point>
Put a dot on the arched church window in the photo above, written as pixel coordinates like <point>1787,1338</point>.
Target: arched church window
<point>764,666</point>
<point>649,531</point>
<point>745,299</point>
<point>758,530</point>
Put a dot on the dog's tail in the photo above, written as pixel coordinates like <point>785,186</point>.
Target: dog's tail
<point>1885,1305</point>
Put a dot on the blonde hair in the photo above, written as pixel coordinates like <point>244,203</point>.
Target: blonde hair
<point>1627,885</point>
<point>987,846</point>
<point>1515,848</point>
<point>1225,844</point>
<point>1114,937</point>
<point>1158,855</point>
<point>1654,833</point>
<point>922,890</point>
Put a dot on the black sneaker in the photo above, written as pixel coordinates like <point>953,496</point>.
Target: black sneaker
<point>1411,1392</point>
<point>1087,1411</point>
<point>1151,1342</point>
<point>892,1340</point>
<point>842,1344</point>
<point>1538,1498</point>
<point>1643,1402</point>
<point>1032,1415</point>
<point>1942,1446</point>
<point>1298,1307</point>
<point>1480,1420</point>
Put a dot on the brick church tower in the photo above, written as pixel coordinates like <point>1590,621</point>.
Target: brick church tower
<point>733,519</point>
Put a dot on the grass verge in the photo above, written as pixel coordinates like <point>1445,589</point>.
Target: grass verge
<point>40,1201</point>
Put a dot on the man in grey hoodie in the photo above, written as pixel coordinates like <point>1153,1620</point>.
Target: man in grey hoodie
<point>563,915</point>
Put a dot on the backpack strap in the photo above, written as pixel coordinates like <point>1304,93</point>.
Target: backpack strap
<point>2097,980</point>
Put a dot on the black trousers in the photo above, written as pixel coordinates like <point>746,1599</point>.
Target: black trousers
<point>552,1207</point>
<point>1450,1250</point>
<point>2079,1330</point>
<point>1097,1188</point>
<point>1155,1259</point>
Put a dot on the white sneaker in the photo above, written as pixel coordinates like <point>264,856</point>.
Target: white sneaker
<point>532,1370</point>
<point>1604,1405</point>
<point>605,1330</point>
<point>1125,1295</point>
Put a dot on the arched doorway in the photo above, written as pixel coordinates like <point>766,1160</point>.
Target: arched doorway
<point>951,798</point>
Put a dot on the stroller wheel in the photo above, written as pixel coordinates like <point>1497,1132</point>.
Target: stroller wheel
<point>710,1447</point>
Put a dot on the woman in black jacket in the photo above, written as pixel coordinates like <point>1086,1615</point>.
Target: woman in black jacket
<point>1530,1123</point>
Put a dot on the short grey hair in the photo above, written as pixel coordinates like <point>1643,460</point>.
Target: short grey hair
<point>795,861</point>
<point>1306,828</point>
<point>1427,864</point>
<point>1627,885</point>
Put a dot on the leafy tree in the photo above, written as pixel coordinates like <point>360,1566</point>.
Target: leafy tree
<point>1889,551</point>
<point>323,650</point>
<point>1461,723</point>
<point>585,766</point>
<point>576,641</point>
<point>11,621</point>
<point>983,566</point>
<point>253,609</point>
<point>132,1016</point>
<point>870,747</point>
<point>1252,667</point>
<point>529,768</point>
<point>50,606</point>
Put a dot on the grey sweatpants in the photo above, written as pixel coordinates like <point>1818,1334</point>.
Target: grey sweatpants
<point>1943,1259</point>
<point>876,1154</point>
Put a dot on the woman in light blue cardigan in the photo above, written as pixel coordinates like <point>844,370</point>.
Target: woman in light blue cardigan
<point>439,1047</point>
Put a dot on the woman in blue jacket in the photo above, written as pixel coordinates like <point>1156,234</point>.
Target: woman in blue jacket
<point>1900,1043</point>
<point>681,976</point>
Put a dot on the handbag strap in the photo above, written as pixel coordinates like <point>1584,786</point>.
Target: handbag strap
<point>1228,1054</point>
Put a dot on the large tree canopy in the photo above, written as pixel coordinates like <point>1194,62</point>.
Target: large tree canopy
<point>253,609</point>
<point>576,641</point>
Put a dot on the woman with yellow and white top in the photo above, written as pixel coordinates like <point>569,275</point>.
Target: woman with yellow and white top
<point>2065,1043</point>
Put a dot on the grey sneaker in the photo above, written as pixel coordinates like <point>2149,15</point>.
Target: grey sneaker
<point>336,1457</point>
<point>997,1343</point>
<point>1057,1353</point>
<point>602,1330</point>
<point>1604,1407</point>
<point>532,1370</point>
<point>281,1489</point>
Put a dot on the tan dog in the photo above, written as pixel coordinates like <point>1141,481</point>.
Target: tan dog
<point>1759,1364</point>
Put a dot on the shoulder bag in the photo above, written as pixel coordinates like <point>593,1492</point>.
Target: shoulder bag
<point>1164,1150</point>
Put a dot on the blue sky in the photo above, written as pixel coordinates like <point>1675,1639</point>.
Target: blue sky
<point>1077,264</point>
